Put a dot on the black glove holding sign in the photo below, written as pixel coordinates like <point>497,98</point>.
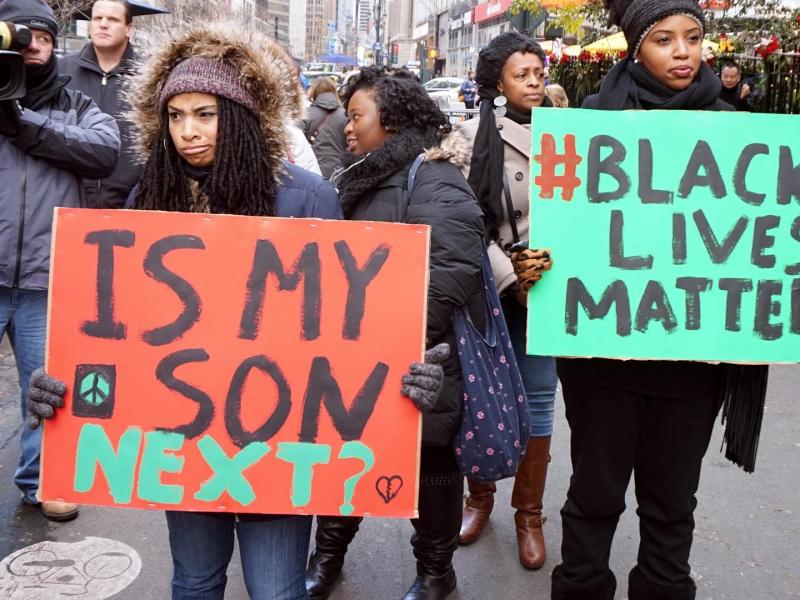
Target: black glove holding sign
<point>45,394</point>
<point>423,382</point>
<point>10,118</point>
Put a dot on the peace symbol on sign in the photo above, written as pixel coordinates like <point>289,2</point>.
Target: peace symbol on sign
<point>94,391</point>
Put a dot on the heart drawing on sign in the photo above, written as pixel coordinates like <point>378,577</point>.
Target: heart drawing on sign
<point>389,487</point>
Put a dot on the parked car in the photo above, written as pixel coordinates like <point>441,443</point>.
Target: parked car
<point>445,90</point>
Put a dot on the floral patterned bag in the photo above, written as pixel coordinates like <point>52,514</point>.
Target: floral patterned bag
<point>494,425</point>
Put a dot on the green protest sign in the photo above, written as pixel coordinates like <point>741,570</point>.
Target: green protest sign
<point>674,235</point>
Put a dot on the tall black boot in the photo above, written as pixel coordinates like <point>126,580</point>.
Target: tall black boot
<point>332,538</point>
<point>435,536</point>
<point>640,588</point>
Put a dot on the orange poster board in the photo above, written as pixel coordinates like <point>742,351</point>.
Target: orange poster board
<point>238,364</point>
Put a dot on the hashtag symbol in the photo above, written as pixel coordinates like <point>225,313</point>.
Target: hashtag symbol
<point>549,159</point>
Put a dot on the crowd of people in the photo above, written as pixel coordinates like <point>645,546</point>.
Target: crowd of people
<point>215,121</point>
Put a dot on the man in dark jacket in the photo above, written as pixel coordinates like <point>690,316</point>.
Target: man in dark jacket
<point>48,140</point>
<point>735,91</point>
<point>99,70</point>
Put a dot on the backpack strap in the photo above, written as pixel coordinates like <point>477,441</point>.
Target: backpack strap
<point>413,172</point>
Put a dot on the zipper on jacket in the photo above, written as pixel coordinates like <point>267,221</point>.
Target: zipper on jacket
<point>24,192</point>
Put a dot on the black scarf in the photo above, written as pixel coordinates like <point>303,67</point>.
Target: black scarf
<point>630,86</point>
<point>488,155</point>
<point>744,390</point>
<point>360,174</point>
<point>42,83</point>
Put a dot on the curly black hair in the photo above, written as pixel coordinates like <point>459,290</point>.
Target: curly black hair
<point>402,101</point>
<point>492,58</point>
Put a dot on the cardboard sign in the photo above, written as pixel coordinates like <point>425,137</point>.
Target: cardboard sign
<point>238,364</point>
<point>674,235</point>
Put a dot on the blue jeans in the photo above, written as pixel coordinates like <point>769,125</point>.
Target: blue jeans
<point>274,554</point>
<point>538,372</point>
<point>23,316</point>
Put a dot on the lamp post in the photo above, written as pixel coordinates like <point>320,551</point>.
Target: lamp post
<point>378,46</point>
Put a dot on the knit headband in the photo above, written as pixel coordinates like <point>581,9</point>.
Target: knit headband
<point>642,15</point>
<point>209,76</point>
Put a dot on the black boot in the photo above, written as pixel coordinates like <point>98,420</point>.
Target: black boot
<point>640,588</point>
<point>435,536</point>
<point>332,538</point>
<point>602,588</point>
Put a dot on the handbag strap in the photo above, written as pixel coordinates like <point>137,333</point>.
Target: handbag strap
<point>510,207</point>
<point>412,174</point>
<point>320,125</point>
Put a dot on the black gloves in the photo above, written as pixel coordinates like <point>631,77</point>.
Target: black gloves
<point>424,381</point>
<point>44,394</point>
<point>10,118</point>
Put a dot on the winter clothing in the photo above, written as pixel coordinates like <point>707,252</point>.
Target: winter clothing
<point>329,144</point>
<point>300,152</point>
<point>469,89</point>
<point>630,86</point>
<point>733,96</point>
<point>442,199</point>
<point>637,17</point>
<point>527,497</point>
<point>477,509</point>
<point>652,419</point>
<point>34,14</point>
<point>273,547</point>
<point>208,76</point>
<point>106,89</point>
<point>63,138</point>
<point>423,382</point>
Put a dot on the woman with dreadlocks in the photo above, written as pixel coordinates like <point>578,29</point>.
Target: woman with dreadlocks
<point>391,121</point>
<point>211,113</point>
<point>510,78</point>
<point>652,419</point>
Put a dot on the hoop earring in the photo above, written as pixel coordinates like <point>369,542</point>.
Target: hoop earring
<point>164,142</point>
<point>500,106</point>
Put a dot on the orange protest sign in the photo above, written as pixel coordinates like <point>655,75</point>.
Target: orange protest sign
<point>239,364</point>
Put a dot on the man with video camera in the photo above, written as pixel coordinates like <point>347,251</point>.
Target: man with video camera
<point>50,139</point>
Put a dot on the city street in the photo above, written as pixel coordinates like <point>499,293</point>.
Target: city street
<point>746,540</point>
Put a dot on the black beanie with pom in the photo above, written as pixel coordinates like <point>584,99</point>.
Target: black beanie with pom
<point>637,17</point>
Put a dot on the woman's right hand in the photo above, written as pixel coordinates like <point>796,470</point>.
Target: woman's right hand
<point>529,266</point>
<point>45,394</point>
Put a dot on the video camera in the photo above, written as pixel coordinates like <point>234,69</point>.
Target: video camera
<point>12,65</point>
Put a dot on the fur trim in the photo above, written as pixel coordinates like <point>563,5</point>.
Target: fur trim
<point>454,148</point>
<point>263,66</point>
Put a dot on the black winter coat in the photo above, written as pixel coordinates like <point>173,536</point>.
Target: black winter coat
<point>329,144</point>
<point>106,90</point>
<point>441,198</point>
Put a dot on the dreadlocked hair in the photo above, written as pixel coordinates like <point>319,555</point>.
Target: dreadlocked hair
<point>402,101</point>
<point>241,181</point>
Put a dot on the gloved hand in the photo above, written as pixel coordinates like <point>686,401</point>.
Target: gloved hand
<point>10,118</point>
<point>424,381</point>
<point>529,266</point>
<point>45,393</point>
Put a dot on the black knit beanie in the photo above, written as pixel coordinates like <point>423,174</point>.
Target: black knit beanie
<point>496,53</point>
<point>637,17</point>
<point>34,14</point>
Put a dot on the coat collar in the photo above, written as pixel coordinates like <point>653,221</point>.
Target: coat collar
<point>88,60</point>
<point>516,135</point>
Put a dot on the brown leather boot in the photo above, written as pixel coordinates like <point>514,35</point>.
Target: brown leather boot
<point>477,509</point>
<point>527,499</point>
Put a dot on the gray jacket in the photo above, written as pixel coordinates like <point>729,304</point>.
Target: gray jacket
<point>40,169</point>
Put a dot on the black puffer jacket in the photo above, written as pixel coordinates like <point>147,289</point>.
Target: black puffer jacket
<point>442,199</point>
<point>329,143</point>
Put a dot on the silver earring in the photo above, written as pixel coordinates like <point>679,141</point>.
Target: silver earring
<point>164,141</point>
<point>500,106</point>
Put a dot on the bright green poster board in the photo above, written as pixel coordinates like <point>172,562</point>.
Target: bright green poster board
<point>674,235</point>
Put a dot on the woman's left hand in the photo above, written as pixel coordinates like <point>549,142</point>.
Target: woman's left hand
<point>423,382</point>
<point>529,266</point>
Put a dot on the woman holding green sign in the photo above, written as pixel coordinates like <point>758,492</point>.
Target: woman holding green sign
<point>649,419</point>
<point>511,83</point>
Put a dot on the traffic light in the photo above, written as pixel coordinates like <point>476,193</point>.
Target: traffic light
<point>433,53</point>
<point>395,53</point>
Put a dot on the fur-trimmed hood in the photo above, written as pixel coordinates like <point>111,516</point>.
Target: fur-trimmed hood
<point>453,147</point>
<point>263,67</point>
